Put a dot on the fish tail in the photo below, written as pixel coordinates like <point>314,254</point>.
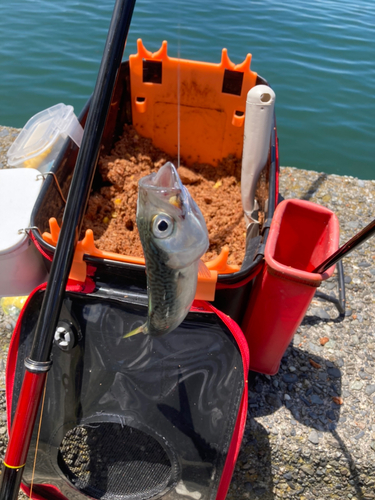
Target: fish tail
<point>139,329</point>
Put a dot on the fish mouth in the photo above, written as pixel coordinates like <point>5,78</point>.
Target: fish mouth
<point>166,178</point>
<point>166,185</point>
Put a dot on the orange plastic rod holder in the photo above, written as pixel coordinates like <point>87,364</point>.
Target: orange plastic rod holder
<point>207,99</point>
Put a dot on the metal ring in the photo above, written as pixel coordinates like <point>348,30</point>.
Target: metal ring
<point>27,229</point>
<point>37,366</point>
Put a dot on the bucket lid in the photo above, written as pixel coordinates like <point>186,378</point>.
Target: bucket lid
<point>19,189</point>
<point>40,133</point>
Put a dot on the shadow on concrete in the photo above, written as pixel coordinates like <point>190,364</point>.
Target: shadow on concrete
<point>314,187</point>
<point>310,398</point>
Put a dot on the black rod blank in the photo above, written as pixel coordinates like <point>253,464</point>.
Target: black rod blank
<point>39,359</point>
<point>348,247</point>
<point>82,180</point>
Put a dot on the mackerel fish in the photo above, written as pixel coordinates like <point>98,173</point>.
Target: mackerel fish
<point>174,236</point>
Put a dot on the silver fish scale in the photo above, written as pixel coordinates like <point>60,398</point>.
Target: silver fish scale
<point>161,286</point>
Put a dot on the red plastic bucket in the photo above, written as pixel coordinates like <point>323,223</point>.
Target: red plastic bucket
<point>302,235</point>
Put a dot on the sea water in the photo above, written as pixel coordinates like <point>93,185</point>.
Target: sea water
<point>318,55</point>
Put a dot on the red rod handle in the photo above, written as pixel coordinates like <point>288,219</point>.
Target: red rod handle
<point>20,434</point>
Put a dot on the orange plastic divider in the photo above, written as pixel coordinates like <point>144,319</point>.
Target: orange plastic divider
<point>203,97</point>
<point>220,263</point>
<point>206,280</point>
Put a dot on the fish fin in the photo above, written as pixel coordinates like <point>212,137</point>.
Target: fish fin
<point>203,271</point>
<point>139,329</point>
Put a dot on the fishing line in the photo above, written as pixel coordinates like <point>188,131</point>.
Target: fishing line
<point>178,107</point>
<point>37,438</point>
<point>178,84</point>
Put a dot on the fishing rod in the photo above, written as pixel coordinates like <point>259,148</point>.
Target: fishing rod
<point>38,363</point>
<point>348,247</point>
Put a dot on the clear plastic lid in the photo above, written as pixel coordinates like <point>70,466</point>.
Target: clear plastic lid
<point>40,133</point>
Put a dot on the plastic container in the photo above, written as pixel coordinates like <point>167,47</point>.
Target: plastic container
<point>233,290</point>
<point>21,265</point>
<point>41,139</point>
<point>302,235</point>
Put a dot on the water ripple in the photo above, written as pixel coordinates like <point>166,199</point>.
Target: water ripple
<point>319,55</point>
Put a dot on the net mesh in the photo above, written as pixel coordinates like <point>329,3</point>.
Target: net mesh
<point>108,461</point>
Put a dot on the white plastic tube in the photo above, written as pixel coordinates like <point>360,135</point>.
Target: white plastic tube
<point>260,105</point>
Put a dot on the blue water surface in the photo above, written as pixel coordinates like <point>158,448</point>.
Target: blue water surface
<point>318,55</point>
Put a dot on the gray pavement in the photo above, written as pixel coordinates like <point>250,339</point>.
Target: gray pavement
<point>310,432</point>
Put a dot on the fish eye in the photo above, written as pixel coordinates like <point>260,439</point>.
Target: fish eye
<point>162,226</point>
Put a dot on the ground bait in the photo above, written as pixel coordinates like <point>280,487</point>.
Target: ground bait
<point>111,211</point>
